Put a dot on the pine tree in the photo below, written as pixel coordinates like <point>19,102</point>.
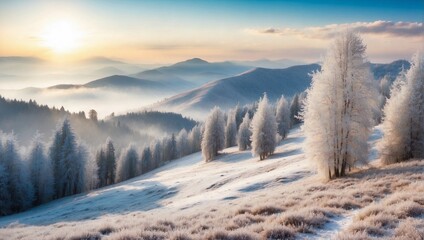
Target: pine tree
<point>264,130</point>
<point>19,185</point>
<point>67,161</point>
<point>338,115</point>
<point>156,154</point>
<point>294,110</point>
<point>127,167</point>
<point>244,134</point>
<point>41,172</point>
<point>5,198</point>
<point>110,162</point>
<point>213,138</point>
<point>101,167</point>
<point>173,151</point>
<point>283,117</point>
<point>146,160</point>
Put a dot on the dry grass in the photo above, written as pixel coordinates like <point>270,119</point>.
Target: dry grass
<point>390,202</point>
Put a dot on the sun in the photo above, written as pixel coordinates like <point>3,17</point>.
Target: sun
<point>61,36</point>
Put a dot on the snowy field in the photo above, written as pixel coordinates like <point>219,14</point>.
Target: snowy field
<point>238,197</point>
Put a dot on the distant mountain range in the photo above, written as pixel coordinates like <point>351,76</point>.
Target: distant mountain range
<point>391,70</point>
<point>241,89</point>
<point>198,71</point>
<point>266,63</point>
<point>249,86</point>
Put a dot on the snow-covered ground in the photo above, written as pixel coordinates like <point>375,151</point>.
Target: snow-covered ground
<point>190,186</point>
<point>179,185</point>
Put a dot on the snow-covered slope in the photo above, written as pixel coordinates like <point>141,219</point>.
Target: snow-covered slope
<point>181,184</point>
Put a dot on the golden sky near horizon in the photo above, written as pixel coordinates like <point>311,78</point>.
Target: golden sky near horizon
<point>150,33</point>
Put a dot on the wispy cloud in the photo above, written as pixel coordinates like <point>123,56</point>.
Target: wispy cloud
<point>398,29</point>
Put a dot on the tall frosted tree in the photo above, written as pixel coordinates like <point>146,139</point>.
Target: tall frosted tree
<point>283,116</point>
<point>68,162</point>
<point>244,134</point>
<point>40,172</point>
<point>264,130</point>
<point>231,130</point>
<point>127,167</point>
<point>338,115</point>
<point>213,138</point>
<point>403,124</point>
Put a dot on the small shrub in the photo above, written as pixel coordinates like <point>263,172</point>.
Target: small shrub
<point>369,211</point>
<point>278,232</point>
<point>409,209</point>
<point>266,210</point>
<point>359,227</point>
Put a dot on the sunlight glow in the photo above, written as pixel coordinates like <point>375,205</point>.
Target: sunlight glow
<point>61,36</point>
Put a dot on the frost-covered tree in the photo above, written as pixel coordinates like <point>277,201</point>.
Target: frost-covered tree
<point>195,139</point>
<point>127,167</point>
<point>41,172</point>
<point>283,116</point>
<point>384,87</point>
<point>183,145</point>
<point>91,177</point>
<point>68,162</point>
<point>213,137</point>
<point>156,153</point>
<point>231,130</point>
<point>110,162</point>
<point>403,124</point>
<point>384,93</point>
<point>5,198</point>
<point>146,160</point>
<point>173,151</point>
<point>264,130</point>
<point>101,167</point>
<point>238,112</point>
<point>19,184</point>
<point>338,115</point>
<point>244,134</point>
<point>106,164</point>
<point>294,110</point>
<point>166,150</point>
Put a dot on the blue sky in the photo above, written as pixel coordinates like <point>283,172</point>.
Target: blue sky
<point>216,30</point>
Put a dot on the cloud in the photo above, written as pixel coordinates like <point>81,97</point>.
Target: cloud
<point>397,29</point>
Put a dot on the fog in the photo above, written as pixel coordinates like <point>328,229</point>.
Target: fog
<point>104,100</point>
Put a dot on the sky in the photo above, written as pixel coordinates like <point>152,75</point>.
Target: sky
<point>168,31</point>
